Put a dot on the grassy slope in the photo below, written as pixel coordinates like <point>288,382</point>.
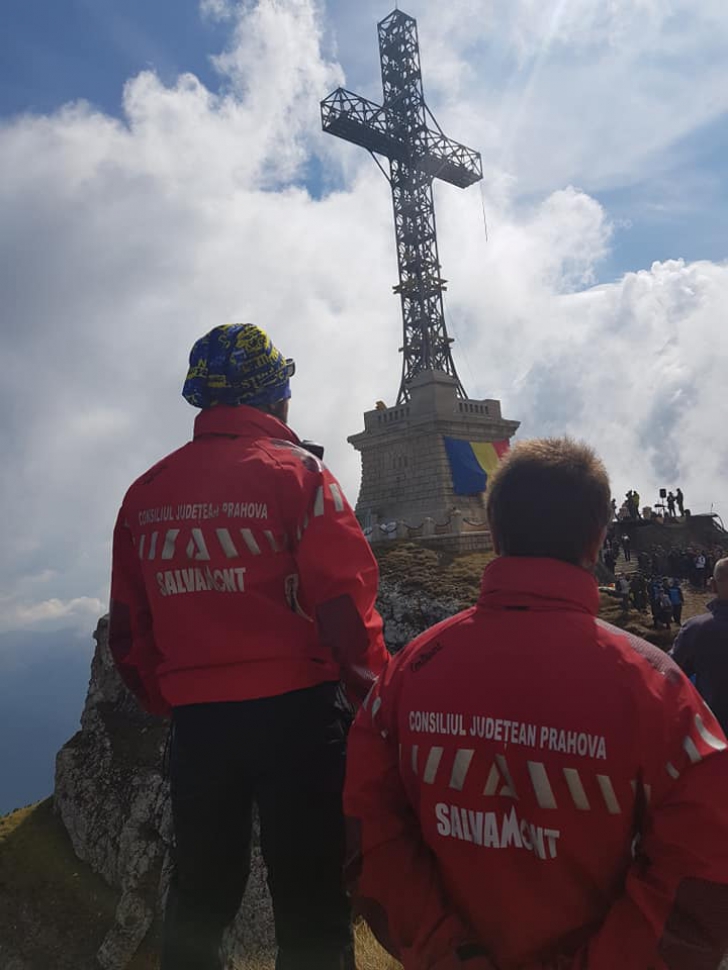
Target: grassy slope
<point>433,574</point>
<point>57,911</point>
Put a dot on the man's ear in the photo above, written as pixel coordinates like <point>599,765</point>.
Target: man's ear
<point>280,410</point>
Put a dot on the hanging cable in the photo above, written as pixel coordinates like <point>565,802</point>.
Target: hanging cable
<point>485,217</point>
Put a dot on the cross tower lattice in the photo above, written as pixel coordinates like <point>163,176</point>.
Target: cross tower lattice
<point>399,129</point>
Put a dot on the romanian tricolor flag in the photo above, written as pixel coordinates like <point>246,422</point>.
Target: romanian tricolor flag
<point>473,462</point>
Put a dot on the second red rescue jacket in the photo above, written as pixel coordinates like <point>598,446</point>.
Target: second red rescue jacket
<point>526,778</point>
<point>240,571</point>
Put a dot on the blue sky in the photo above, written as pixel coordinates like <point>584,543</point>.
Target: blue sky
<point>52,53</point>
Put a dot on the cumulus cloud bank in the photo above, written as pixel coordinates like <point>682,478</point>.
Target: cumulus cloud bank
<point>123,240</point>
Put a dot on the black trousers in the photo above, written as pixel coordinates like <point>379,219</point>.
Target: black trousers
<point>287,755</point>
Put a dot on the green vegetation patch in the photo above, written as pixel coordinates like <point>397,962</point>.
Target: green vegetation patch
<point>435,574</point>
<point>54,911</point>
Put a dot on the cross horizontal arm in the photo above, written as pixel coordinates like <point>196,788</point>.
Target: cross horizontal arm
<point>368,124</point>
<point>450,161</point>
<point>355,119</point>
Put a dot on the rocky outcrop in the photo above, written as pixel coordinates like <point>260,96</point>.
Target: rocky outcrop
<point>112,796</point>
<point>407,612</point>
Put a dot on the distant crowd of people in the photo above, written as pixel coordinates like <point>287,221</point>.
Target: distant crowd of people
<point>671,507</point>
<point>663,596</point>
<point>656,584</point>
<point>690,563</point>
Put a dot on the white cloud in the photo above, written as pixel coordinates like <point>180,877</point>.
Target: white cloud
<point>217,9</point>
<point>583,91</point>
<point>80,613</point>
<point>122,242</point>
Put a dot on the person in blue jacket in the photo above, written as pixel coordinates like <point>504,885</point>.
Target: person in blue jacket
<point>676,599</point>
<point>701,647</point>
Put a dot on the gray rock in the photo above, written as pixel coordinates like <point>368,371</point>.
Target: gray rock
<point>407,613</point>
<point>133,917</point>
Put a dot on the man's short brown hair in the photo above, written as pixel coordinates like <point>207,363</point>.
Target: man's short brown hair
<point>550,498</point>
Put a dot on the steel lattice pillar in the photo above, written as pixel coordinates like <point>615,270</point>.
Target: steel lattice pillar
<point>399,129</point>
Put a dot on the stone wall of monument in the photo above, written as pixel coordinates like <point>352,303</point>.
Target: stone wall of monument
<point>406,473</point>
<point>409,477</point>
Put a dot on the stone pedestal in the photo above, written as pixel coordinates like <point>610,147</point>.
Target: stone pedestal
<point>405,469</point>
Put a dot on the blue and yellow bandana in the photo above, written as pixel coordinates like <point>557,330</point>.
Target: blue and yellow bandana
<point>237,364</point>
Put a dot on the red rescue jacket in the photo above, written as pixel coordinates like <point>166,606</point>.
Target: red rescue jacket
<point>526,777</point>
<point>240,571</point>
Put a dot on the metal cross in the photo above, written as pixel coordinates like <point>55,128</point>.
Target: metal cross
<point>400,130</point>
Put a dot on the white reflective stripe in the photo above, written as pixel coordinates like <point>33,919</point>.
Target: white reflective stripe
<point>415,749</point>
<point>460,768</point>
<point>541,784</point>
<point>691,751</point>
<point>250,541</point>
<point>226,541</point>
<point>573,780</point>
<point>710,739</point>
<point>305,522</point>
<point>197,547</point>
<point>337,497</point>
<point>509,789</point>
<point>318,505</point>
<point>142,537</point>
<point>491,785</point>
<point>647,789</point>
<point>375,707</point>
<point>169,541</point>
<point>610,799</point>
<point>153,546</point>
<point>433,763</point>
<point>271,540</point>
<point>672,771</point>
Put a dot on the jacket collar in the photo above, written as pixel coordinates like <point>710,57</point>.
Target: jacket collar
<point>518,582</point>
<point>719,607</point>
<point>241,422</point>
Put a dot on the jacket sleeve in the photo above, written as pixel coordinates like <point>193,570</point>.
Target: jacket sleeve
<point>131,635</point>
<point>673,912</point>
<point>339,581</point>
<point>683,649</point>
<point>394,879</point>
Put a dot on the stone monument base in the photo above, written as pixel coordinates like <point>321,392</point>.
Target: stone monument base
<point>406,485</point>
